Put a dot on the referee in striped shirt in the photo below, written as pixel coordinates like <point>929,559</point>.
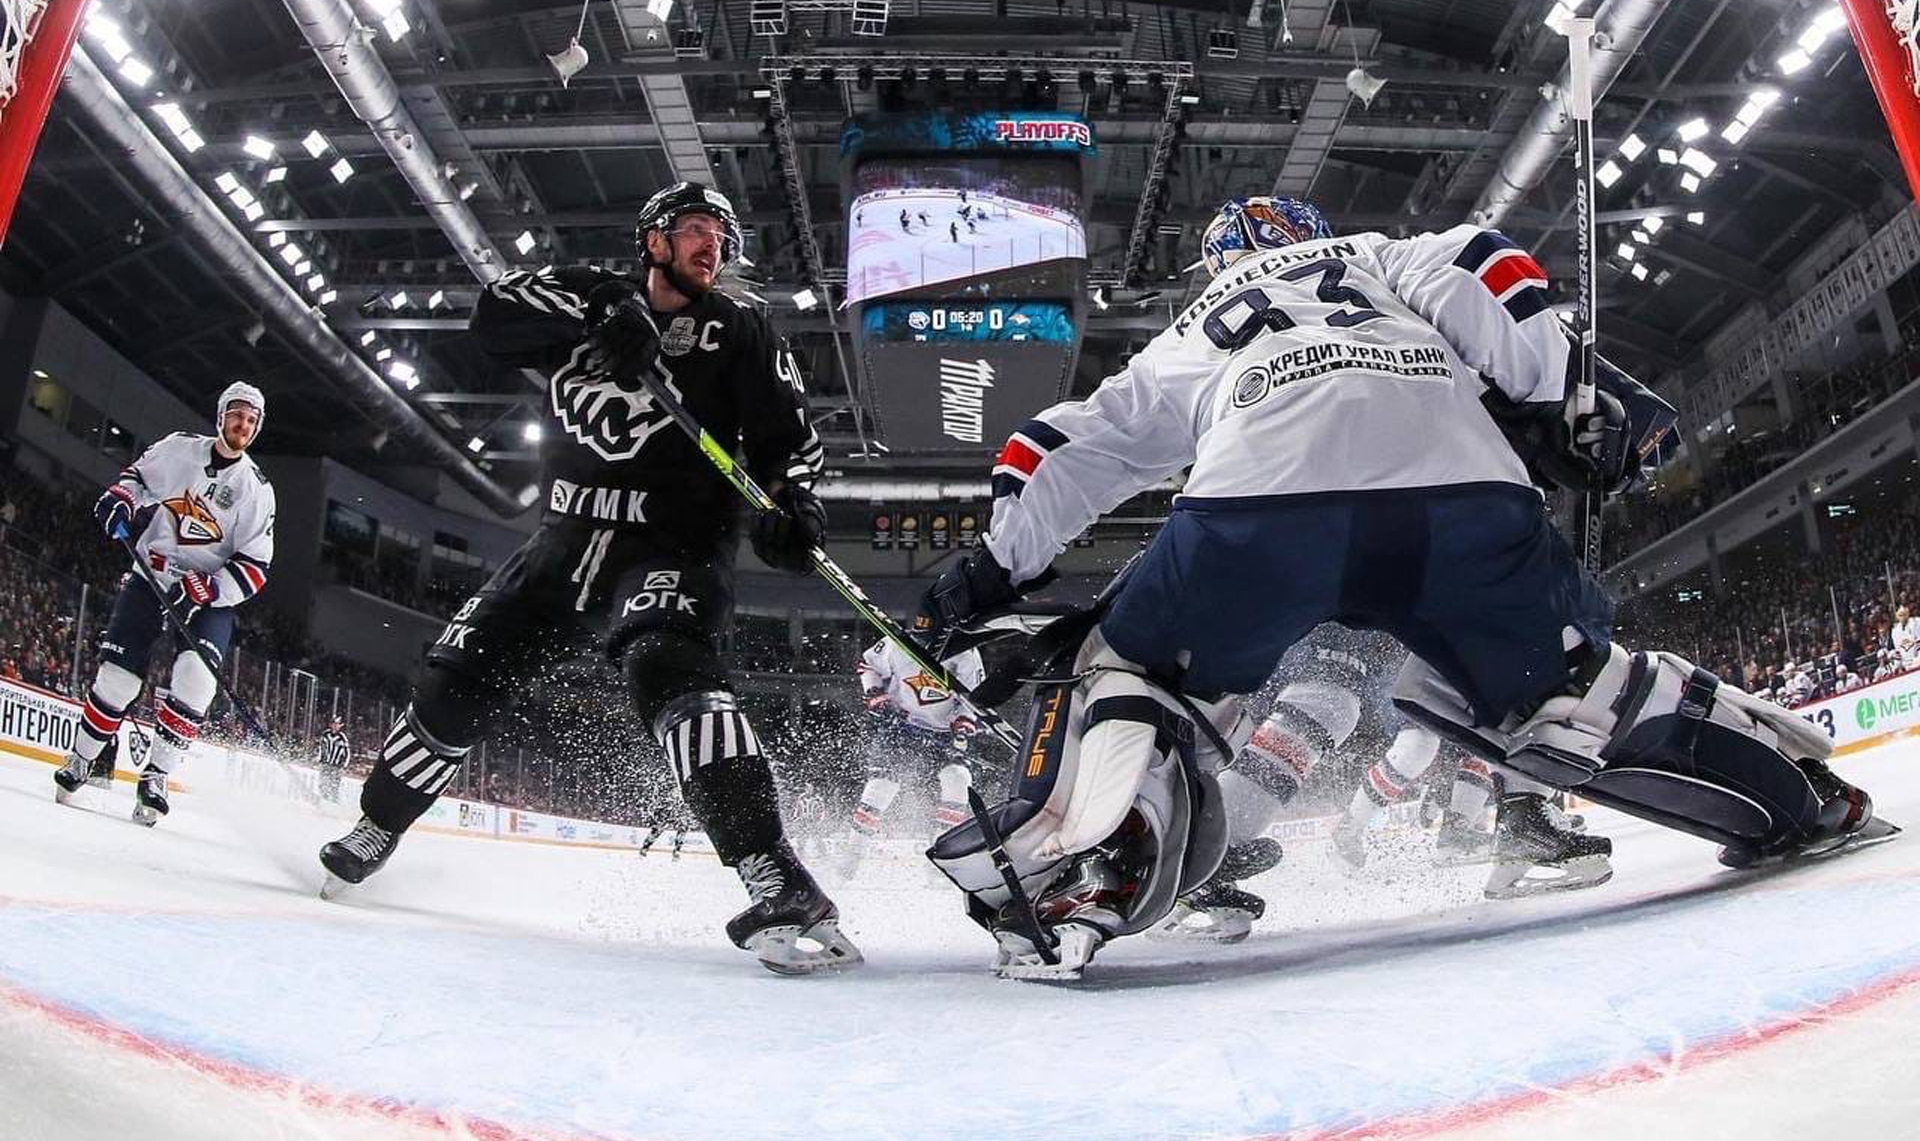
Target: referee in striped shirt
<point>334,752</point>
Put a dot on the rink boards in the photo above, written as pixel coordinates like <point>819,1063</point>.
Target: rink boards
<point>40,724</point>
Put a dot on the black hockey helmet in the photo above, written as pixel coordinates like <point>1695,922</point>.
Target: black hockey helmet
<point>677,201</point>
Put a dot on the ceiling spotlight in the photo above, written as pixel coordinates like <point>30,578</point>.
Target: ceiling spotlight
<point>436,299</point>
<point>1638,271</point>
<point>805,300</point>
<point>1653,223</point>
<point>525,242</point>
<point>257,147</point>
<point>1667,155</point>
<point>476,445</point>
<point>1699,162</point>
<point>341,170</point>
<point>277,174</point>
<point>226,182</point>
<point>276,239</point>
<point>567,62</point>
<point>1792,61</point>
<point>1625,251</point>
<point>1632,147</point>
<point>382,355</point>
<point>401,371</point>
<point>135,72</point>
<point>1692,129</point>
<point>1689,182</point>
<point>328,297</point>
<point>1696,217</point>
<point>315,283</point>
<point>315,143</point>
<point>1642,237</point>
<point>1735,131</point>
<point>1609,173</point>
<point>303,268</point>
<point>368,337</point>
<point>1663,277</point>
<point>398,300</point>
<point>531,432</point>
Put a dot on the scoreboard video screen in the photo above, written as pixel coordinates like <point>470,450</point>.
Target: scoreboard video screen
<point>966,270</point>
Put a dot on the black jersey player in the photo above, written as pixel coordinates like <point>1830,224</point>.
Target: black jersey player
<point>635,554</point>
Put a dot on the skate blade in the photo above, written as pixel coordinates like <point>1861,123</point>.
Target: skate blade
<point>1225,925</point>
<point>144,816</point>
<point>1874,831</point>
<point>332,887</point>
<point>1517,881</point>
<point>62,795</point>
<point>787,950</point>
<point>1077,944</point>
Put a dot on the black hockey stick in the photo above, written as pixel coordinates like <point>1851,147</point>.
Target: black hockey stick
<point>1580,108</point>
<point>1042,939</point>
<point>180,630</point>
<point>721,458</point>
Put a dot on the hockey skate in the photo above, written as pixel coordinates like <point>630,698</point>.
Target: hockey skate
<point>1350,842</point>
<point>1459,844</point>
<point>1535,853</point>
<point>791,925</point>
<point>150,798</point>
<point>1075,911</point>
<point>1218,911</point>
<point>73,776</point>
<point>355,856</point>
<point>1846,822</point>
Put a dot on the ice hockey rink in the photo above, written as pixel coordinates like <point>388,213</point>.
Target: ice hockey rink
<point>187,982</point>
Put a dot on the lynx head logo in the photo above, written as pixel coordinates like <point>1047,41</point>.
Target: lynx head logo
<point>614,417</point>
<point>193,520</point>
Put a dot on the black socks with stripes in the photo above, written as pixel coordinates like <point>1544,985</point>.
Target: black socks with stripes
<point>413,770</point>
<point>723,776</point>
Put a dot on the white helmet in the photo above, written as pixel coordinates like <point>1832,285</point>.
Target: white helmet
<point>240,392</point>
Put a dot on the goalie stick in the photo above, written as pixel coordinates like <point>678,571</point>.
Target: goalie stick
<point>1580,42</point>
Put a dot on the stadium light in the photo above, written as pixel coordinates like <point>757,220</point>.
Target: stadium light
<point>135,72</point>
<point>277,174</point>
<point>1689,182</point>
<point>1696,217</point>
<point>1632,147</point>
<point>1692,129</point>
<point>805,300</point>
<point>1638,271</point>
<point>476,445</point>
<point>315,143</point>
<point>1626,251</point>
<point>531,432</point>
<point>341,170</point>
<point>258,147</point>
<point>1793,61</point>
<point>1699,162</point>
<point>1667,156</point>
<point>1652,223</point>
<point>524,243</point>
<point>1608,173</point>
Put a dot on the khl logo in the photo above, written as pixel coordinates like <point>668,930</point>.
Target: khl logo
<point>963,398</point>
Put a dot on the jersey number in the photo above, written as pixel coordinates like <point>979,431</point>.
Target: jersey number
<point>1250,312</point>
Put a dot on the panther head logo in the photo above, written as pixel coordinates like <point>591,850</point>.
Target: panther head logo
<point>614,417</point>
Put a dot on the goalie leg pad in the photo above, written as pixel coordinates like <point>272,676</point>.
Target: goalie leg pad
<point>1108,763</point>
<point>1654,736</point>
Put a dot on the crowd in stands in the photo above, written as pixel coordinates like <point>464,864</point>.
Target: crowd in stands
<point>1796,627</point>
<point>1827,404</point>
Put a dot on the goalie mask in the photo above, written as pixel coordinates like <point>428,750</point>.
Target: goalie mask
<point>1249,225</point>
<point>240,392</point>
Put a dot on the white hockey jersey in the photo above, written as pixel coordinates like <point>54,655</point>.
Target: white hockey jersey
<point>1352,363</point>
<point>924,702</point>
<point>215,520</point>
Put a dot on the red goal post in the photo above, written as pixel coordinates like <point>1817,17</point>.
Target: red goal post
<point>34,45</point>
<point>1885,33</point>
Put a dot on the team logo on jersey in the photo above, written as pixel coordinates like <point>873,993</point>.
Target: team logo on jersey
<point>613,417</point>
<point>224,497</point>
<point>193,521</point>
<point>1251,386</point>
<point>927,689</point>
<point>679,338</point>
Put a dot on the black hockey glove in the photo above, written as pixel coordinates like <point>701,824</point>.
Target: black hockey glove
<point>785,539</point>
<point>114,511</point>
<point>964,591</point>
<point>626,340</point>
<point>1611,449</point>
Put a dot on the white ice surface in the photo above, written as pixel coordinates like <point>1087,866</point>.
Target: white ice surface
<point>186,982</point>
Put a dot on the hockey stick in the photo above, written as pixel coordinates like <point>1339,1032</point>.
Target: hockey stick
<point>1580,108</point>
<point>717,454</point>
<point>180,631</point>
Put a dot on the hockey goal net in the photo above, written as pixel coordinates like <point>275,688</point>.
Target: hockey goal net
<point>35,41</point>
<point>1887,34</point>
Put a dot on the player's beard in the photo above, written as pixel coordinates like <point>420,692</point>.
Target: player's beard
<point>230,436</point>
<point>689,287</point>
